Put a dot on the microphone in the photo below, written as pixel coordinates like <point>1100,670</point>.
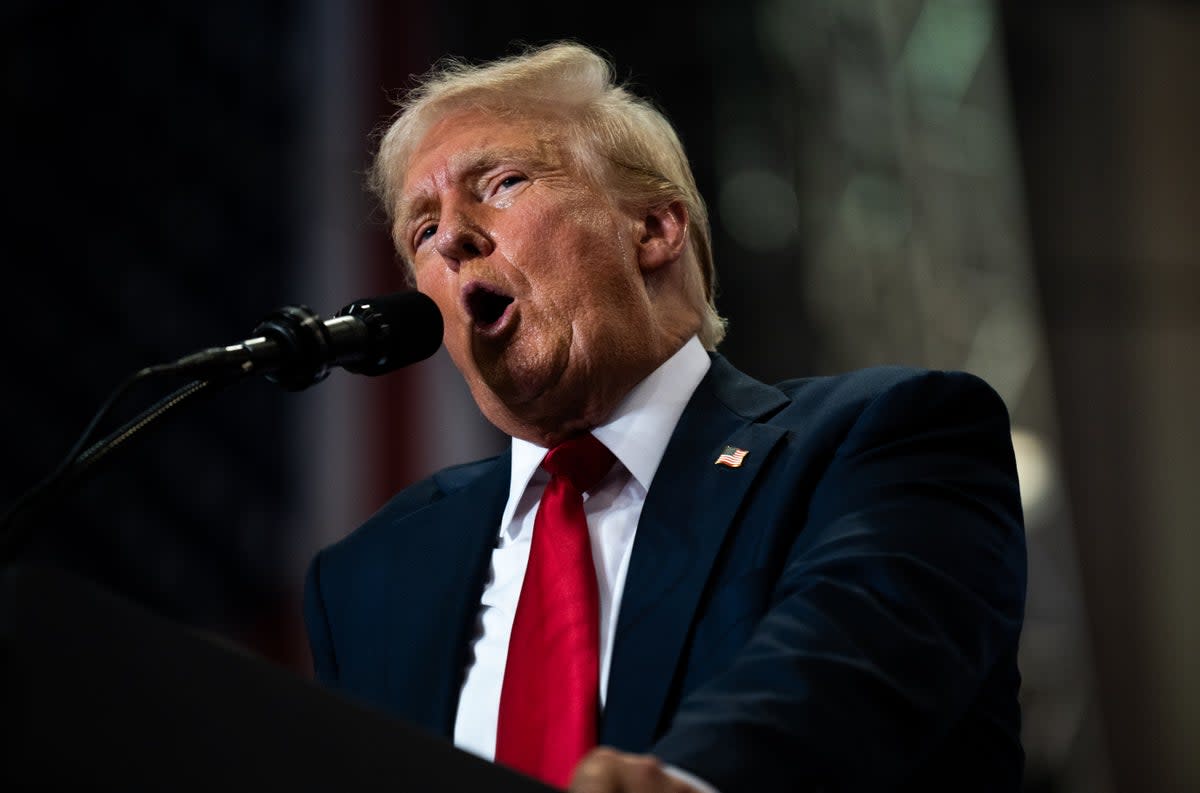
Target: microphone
<point>295,348</point>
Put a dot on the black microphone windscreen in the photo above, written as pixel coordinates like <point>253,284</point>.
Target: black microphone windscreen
<point>405,327</point>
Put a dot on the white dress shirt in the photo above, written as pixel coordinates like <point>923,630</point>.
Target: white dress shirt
<point>637,433</point>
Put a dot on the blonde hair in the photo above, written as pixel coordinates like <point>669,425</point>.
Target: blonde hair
<point>620,140</point>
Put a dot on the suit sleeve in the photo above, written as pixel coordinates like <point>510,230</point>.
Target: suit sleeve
<point>316,622</point>
<point>901,594</point>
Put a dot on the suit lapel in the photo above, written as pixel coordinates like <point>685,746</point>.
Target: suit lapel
<point>445,544</point>
<point>688,511</point>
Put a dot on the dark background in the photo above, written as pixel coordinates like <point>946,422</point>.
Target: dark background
<point>1010,188</point>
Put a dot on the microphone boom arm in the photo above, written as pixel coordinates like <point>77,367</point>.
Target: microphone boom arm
<point>16,526</point>
<point>295,348</point>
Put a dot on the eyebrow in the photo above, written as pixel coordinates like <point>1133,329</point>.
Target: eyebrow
<point>469,165</point>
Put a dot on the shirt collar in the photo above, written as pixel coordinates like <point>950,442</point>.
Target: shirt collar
<point>638,429</point>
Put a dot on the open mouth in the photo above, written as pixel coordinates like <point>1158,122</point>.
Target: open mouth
<point>486,305</point>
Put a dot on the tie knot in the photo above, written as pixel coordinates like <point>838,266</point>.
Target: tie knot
<point>583,460</point>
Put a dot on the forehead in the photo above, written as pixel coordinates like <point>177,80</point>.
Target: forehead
<point>461,143</point>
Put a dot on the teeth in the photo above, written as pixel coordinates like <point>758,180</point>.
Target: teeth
<point>486,306</point>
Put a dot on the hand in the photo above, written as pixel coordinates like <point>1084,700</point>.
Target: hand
<point>605,770</point>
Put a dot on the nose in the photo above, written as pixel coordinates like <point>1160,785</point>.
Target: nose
<point>459,238</point>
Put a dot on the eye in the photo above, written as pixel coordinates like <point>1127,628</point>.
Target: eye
<point>511,180</point>
<point>424,233</point>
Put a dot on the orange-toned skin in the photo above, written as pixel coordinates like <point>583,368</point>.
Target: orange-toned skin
<point>598,296</point>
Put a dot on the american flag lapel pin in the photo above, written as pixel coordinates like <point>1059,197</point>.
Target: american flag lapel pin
<point>732,457</point>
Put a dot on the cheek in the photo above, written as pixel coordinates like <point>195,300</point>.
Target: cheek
<point>591,248</point>
<point>432,282</point>
<point>439,291</point>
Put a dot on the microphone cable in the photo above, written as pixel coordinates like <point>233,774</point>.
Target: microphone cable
<point>296,349</point>
<point>81,458</point>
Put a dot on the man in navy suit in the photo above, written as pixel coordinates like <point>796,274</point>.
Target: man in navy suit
<point>817,585</point>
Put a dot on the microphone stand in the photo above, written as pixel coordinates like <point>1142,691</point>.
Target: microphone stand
<point>294,335</point>
<point>294,349</point>
<point>17,526</point>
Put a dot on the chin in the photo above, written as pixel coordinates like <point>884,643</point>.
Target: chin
<point>514,390</point>
<point>521,370</point>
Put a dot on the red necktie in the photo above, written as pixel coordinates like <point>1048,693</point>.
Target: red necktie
<point>549,704</point>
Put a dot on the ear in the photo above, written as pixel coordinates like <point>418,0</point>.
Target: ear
<point>662,235</point>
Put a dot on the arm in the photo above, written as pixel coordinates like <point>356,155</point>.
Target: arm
<point>902,594</point>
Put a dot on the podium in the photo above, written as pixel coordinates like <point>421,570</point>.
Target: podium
<point>98,693</point>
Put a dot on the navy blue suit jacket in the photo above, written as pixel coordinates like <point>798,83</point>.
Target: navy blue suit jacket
<point>839,613</point>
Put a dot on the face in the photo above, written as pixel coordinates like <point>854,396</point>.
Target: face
<point>539,276</point>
